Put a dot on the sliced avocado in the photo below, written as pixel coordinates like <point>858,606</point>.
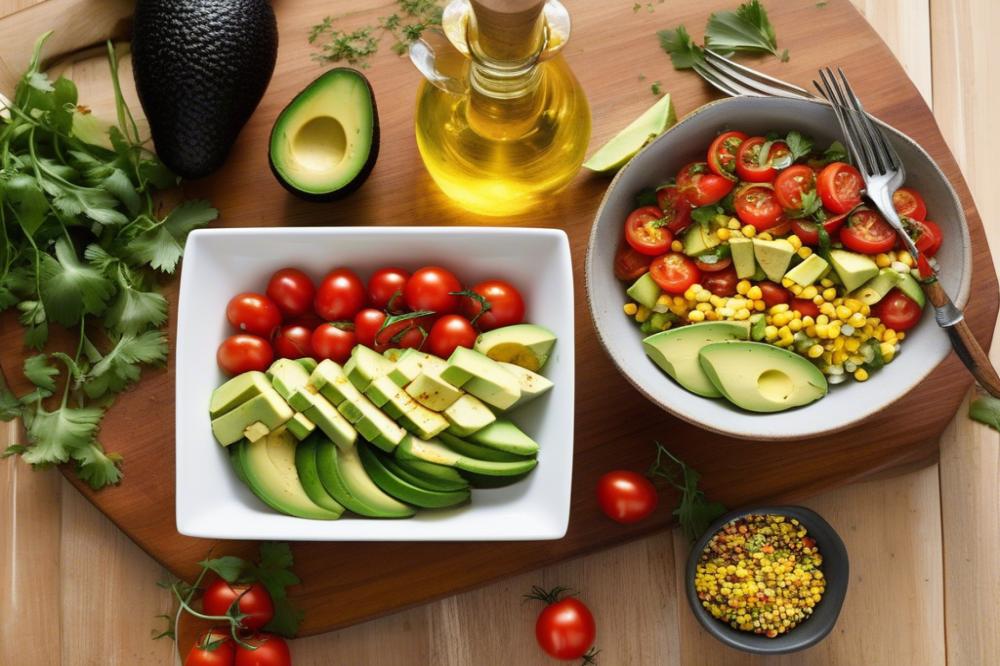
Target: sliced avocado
<point>477,451</point>
<point>526,345</point>
<point>305,464</point>
<point>287,376</point>
<point>393,354</point>
<point>482,377</point>
<point>389,397</point>
<point>758,322</point>
<point>412,363</point>
<point>236,391</point>
<point>307,362</point>
<point>393,466</point>
<point>402,489</point>
<point>435,452</point>
<point>760,377</point>
<point>422,422</point>
<point>743,259</point>
<point>267,408</point>
<point>874,290</point>
<point>809,271</point>
<point>234,460</point>
<point>699,239</point>
<point>484,481</point>
<point>372,423</point>
<point>433,392</point>
<point>269,468</point>
<point>325,142</point>
<point>853,269</point>
<point>440,477</point>
<point>676,351</point>
<point>301,426</point>
<point>644,291</point>
<point>468,415</point>
<point>318,409</point>
<point>622,146</point>
<point>909,286</point>
<point>773,256</point>
<point>344,477</point>
<point>331,381</point>
<point>365,366</point>
<point>532,384</point>
<point>503,435</point>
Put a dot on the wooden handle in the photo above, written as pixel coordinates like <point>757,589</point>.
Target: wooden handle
<point>965,344</point>
<point>509,30</point>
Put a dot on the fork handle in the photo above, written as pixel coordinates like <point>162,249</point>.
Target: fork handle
<point>966,347</point>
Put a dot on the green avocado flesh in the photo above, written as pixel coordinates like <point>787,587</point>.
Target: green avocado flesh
<point>325,142</point>
<point>676,351</point>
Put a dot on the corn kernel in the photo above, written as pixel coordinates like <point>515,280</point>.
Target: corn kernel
<point>795,241</point>
<point>696,316</point>
<point>828,310</point>
<point>733,224</point>
<point>821,330</point>
<point>805,251</point>
<point>677,246</point>
<point>857,320</point>
<point>642,314</point>
<point>711,316</point>
<point>725,312</point>
<point>688,295</point>
<point>742,314</point>
<point>904,258</point>
<point>809,292</point>
<point>815,351</point>
<point>829,293</point>
<point>722,234</point>
<point>889,335</point>
<point>861,374</point>
<point>785,282</point>
<point>780,307</point>
<point>888,350</point>
<point>795,289</point>
<point>808,321</point>
<point>818,299</point>
<point>852,344</point>
<point>785,333</point>
<point>759,306</point>
<point>883,260</point>
<point>717,301</point>
<point>822,319</point>
<point>839,357</point>
<point>743,287</point>
<point>765,236</point>
<point>771,332</point>
<point>843,312</point>
<point>854,304</point>
<point>631,309</point>
<point>664,300</point>
<point>749,231</point>
<point>838,343</point>
<point>826,282</point>
<point>754,293</point>
<point>703,296</point>
<point>704,307</point>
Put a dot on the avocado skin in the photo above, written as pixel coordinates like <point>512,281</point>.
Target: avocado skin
<point>366,170</point>
<point>201,67</point>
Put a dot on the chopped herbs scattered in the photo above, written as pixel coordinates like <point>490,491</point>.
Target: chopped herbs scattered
<point>694,512</point>
<point>747,29</point>
<point>355,47</point>
<point>986,410</point>
<point>655,88</point>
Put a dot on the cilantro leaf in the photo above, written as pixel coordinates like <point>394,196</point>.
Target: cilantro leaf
<point>162,246</point>
<point>34,320</point>
<point>26,200</point>
<point>694,512</point>
<point>275,573</point>
<point>811,203</point>
<point>120,366</point>
<point>52,436</point>
<point>835,153</point>
<point>986,410</point>
<point>97,468</point>
<point>134,310</point>
<point>118,184</point>
<point>705,215</point>
<point>799,145</point>
<point>70,288</point>
<point>678,45</point>
<point>41,374</point>
<point>746,29</point>
<point>10,406</point>
<point>229,567</point>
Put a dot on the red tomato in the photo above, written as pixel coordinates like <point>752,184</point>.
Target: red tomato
<point>433,288</point>
<point>213,648</point>
<point>506,307</point>
<point>334,341</point>
<point>566,629</point>
<point>629,264</point>
<point>254,602</point>
<point>748,161</point>
<point>792,183</point>
<point>270,650</point>
<point>253,313</point>
<point>242,353</point>
<point>366,325</point>
<point>898,311</point>
<point>722,153</point>
<point>292,291</point>
<point>929,237</point>
<point>293,341</point>
<point>908,203</point>
<point>805,307</point>
<point>449,332</point>
<point>700,186</point>
<point>674,272</point>
<point>645,232</point>
<point>404,334</point>
<point>626,496</point>
<point>720,265</point>
<point>867,232</point>
<point>722,283</point>
<point>756,205</point>
<point>773,294</point>
<point>340,296</point>
<point>676,209</point>
<point>808,231</point>
<point>839,186</point>
<point>383,287</point>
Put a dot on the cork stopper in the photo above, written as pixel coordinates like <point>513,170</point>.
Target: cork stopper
<point>508,30</point>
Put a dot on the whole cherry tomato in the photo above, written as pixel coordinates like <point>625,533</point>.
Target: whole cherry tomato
<point>292,291</point>
<point>294,341</point>
<point>449,332</point>
<point>626,496</point>
<point>254,602</point>
<point>334,341</point>
<point>433,288</point>
<point>253,313</point>
<point>213,648</point>
<point>505,305</point>
<point>242,353</point>
<point>340,296</point>
<point>366,324</point>
<point>565,628</point>
<point>386,286</point>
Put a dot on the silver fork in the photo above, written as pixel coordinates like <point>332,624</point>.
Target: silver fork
<point>884,173</point>
<point>735,79</point>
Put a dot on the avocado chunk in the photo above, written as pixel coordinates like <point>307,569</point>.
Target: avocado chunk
<point>390,398</point>
<point>774,256</point>
<point>809,271</point>
<point>503,435</point>
<point>760,377</point>
<point>307,362</point>
<point>268,466</point>
<point>327,419</point>
<point>438,477</point>
<point>909,286</point>
<point>482,377</point>
<point>331,381</point>
<point>365,366</point>
<point>267,408</point>
<point>412,363</point>
<point>402,489</point>
<point>467,415</point>
<point>758,324</point>
<point>305,464</point>
<point>393,354</point>
<point>644,291</point>
<point>325,142</point>
<point>532,384</point>
<point>301,426</point>
<point>435,452</point>
<point>526,345</point>
<point>423,422</point>
<point>433,392</point>
<point>236,391</point>
<point>623,146</point>
<point>676,351</point>
<point>743,259</point>
<point>287,376</point>
<point>258,430</point>
<point>372,423</point>
<point>477,451</point>
<point>874,290</point>
<point>699,239</point>
<point>853,269</point>
<point>344,477</point>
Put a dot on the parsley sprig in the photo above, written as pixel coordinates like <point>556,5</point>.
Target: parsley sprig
<point>694,512</point>
<point>80,246</point>
<point>356,47</point>
<point>747,30</point>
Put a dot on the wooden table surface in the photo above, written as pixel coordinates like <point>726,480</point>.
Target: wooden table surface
<point>925,583</point>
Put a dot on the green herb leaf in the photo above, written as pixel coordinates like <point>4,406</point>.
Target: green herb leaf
<point>799,145</point>
<point>811,203</point>
<point>746,29</point>
<point>705,215</point>
<point>835,153</point>
<point>986,410</point>
<point>162,246</point>
<point>274,571</point>
<point>70,288</point>
<point>694,512</point>
<point>26,200</point>
<point>52,436</point>
<point>678,45</point>
<point>38,371</point>
<point>646,197</point>
<point>10,406</point>
<point>97,468</point>
<point>229,568</point>
<point>121,365</point>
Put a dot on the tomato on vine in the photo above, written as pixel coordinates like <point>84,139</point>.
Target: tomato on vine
<point>213,648</point>
<point>253,601</point>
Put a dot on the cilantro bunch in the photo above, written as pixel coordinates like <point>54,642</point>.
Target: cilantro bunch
<point>747,30</point>
<point>81,243</point>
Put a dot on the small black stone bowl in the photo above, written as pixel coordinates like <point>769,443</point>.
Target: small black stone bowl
<point>835,569</point>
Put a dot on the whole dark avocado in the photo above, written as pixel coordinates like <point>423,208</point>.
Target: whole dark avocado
<point>201,67</point>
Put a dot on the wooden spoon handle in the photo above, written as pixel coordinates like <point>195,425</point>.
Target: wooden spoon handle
<point>965,344</point>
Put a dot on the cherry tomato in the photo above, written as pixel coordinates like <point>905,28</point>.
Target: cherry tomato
<point>748,160</point>
<point>292,291</point>
<point>366,325</point>
<point>565,629</point>
<point>839,186</point>
<point>432,288</point>
<point>449,332</point>
<point>898,311</point>
<point>722,283</point>
<point>293,341</point>
<point>629,264</point>
<point>334,341</point>
<point>792,183</point>
<point>626,496</point>
<point>867,232</point>
<point>213,648</point>
<point>383,287</point>
<point>645,231</point>
<point>700,186</point>
<point>720,265</point>
<point>506,307</point>
<point>929,237</point>
<point>404,334</point>
<point>908,203</point>
<point>808,231</point>
<point>270,650</point>
<point>253,313</point>
<point>805,307</point>
<point>722,153</point>
<point>756,205</point>
<point>243,352</point>
<point>254,602</point>
<point>773,294</point>
<point>674,272</point>
<point>676,209</point>
<point>340,296</point>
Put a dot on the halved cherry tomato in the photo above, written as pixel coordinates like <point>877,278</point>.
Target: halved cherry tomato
<point>676,209</point>
<point>243,352</point>
<point>293,341</point>
<point>645,232</point>
<point>700,186</point>
<point>334,340</point>
<point>908,203</point>
<point>720,265</point>
<point>674,272</point>
<point>254,602</point>
<point>773,294</point>
<point>433,288</point>
<point>385,286</point>
<point>506,307</point>
<point>629,264</point>
<point>756,205</point>
<point>898,311</point>
<point>449,332</point>
<point>792,183</point>
<point>292,291</point>
<point>253,313</point>
<point>929,237</point>
<point>808,231</point>
<point>722,153</point>
<point>626,496</point>
<point>340,296</point>
<point>722,283</point>
<point>804,307</point>
<point>867,232</point>
<point>748,160</point>
<point>839,186</point>
<point>213,648</point>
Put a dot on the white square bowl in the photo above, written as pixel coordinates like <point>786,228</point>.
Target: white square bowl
<point>219,263</point>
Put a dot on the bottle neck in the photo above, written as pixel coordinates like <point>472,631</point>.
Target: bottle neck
<point>505,38</point>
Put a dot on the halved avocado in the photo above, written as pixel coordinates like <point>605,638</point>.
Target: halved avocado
<point>325,142</point>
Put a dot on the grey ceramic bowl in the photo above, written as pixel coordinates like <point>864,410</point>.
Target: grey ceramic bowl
<point>836,570</point>
<point>922,350</point>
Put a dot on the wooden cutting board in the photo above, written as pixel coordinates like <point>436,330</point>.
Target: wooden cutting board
<point>614,52</point>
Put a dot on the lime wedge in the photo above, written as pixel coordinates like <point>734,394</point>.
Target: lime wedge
<point>616,152</point>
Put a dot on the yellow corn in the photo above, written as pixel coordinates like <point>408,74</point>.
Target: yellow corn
<point>785,333</point>
<point>795,325</point>
<point>677,246</point>
<point>829,293</point>
<point>771,332</point>
<point>808,321</point>
<point>843,312</point>
<point>742,314</point>
<point>642,314</point>
<point>861,374</point>
<point>704,307</point>
<point>828,310</point>
<point>815,351</point>
<point>743,287</point>
<point>795,289</point>
<point>711,316</point>
<point>827,282</point>
<point>703,296</point>
<point>854,304</point>
<point>852,344</point>
<point>754,293</point>
<point>765,236</point>
<point>821,330</point>
<point>804,251</point>
<point>631,309</point>
<point>733,224</point>
<point>664,300</point>
<point>696,315</point>
<point>900,335</point>
<point>883,260</point>
<point>838,343</point>
<point>809,292</point>
<point>759,306</point>
<point>795,241</point>
<point>818,300</point>
<point>785,282</point>
<point>857,320</point>
<point>722,234</point>
<point>888,351</point>
<point>904,257</point>
<point>839,357</point>
<point>749,231</point>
